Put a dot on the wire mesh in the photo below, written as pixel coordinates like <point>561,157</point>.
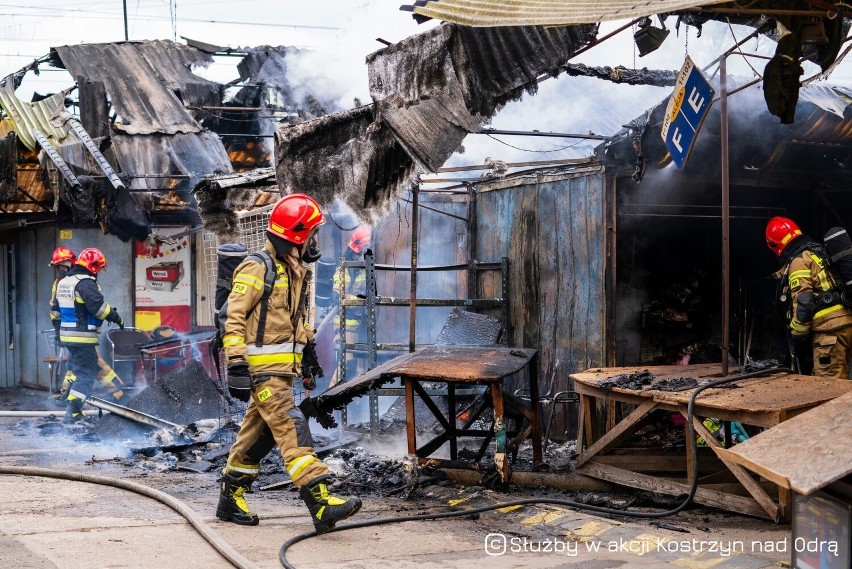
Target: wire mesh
<point>251,232</point>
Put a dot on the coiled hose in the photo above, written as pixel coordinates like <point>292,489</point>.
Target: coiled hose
<point>690,439</point>
<point>233,556</point>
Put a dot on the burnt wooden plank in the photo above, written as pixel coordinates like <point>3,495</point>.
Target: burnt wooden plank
<point>742,475</point>
<point>704,496</point>
<point>778,393</point>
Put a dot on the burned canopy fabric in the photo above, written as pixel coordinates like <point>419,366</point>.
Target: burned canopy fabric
<point>493,13</point>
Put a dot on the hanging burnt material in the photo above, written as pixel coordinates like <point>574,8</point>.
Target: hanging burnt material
<point>347,156</point>
<point>8,167</point>
<point>657,78</point>
<point>431,90</point>
<point>221,197</point>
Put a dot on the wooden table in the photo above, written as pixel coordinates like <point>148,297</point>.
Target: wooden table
<point>760,402</point>
<point>454,365</point>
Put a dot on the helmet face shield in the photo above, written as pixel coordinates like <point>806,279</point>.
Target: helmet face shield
<point>311,252</point>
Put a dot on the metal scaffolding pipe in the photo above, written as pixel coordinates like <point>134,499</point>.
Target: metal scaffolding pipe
<point>412,299</point>
<point>726,214</point>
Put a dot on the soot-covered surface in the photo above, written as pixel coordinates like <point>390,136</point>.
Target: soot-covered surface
<point>183,396</point>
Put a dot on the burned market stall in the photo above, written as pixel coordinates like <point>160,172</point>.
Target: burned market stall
<point>668,230</point>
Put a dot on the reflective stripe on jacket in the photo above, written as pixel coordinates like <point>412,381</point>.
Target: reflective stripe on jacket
<point>81,307</point>
<point>283,340</point>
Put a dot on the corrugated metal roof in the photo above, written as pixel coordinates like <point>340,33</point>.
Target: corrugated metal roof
<point>436,87</point>
<point>349,156</point>
<point>431,89</point>
<point>493,13</point>
<point>148,83</point>
<point>27,116</point>
<point>189,157</point>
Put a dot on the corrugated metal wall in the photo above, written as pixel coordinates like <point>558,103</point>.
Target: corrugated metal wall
<point>552,228</point>
<point>441,241</point>
<point>9,362</point>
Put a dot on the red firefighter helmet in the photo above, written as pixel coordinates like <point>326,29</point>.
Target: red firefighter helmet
<point>63,255</point>
<point>360,238</point>
<point>779,232</point>
<point>92,259</point>
<point>295,217</point>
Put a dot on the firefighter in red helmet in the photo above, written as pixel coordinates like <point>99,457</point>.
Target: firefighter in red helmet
<point>352,284</point>
<point>82,310</point>
<point>818,322</point>
<point>62,261</point>
<point>266,343</point>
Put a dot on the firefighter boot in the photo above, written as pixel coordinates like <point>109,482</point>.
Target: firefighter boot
<point>326,510</point>
<point>232,505</point>
<point>74,412</point>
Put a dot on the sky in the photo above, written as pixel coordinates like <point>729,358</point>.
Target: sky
<point>337,35</point>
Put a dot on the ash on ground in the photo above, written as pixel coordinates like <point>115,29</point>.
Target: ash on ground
<point>183,396</point>
<point>357,471</point>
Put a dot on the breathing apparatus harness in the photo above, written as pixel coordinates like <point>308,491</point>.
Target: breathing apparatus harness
<point>822,300</point>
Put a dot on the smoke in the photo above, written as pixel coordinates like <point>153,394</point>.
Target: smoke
<point>336,71</point>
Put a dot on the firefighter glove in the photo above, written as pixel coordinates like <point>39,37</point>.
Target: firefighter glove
<point>310,409</point>
<point>114,317</point>
<point>239,381</point>
<point>800,346</point>
<point>310,364</point>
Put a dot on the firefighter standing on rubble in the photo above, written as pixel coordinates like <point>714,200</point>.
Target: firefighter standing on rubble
<point>82,310</point>
<point>264,342</point>
<point>62,261</point>
<point>818,322</point>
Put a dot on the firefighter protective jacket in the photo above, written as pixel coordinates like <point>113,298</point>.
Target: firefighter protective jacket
<point>809,282</point>
<point>81,306</point>
<point>280,352</point>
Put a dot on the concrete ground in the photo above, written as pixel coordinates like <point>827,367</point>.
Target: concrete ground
<point>47,523</point>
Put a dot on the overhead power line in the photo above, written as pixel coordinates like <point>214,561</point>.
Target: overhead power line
<point>94,15</point>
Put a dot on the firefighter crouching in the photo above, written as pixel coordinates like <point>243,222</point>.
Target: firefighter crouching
<point>82,309</point>
<point>818,321</point>
<point>264,340</point>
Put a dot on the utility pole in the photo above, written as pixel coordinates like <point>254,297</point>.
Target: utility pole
<point>126,35</point>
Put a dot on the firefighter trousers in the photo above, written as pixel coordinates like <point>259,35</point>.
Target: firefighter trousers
<point>83,362</point>
<point>831,353</point>
<point>271,419</point>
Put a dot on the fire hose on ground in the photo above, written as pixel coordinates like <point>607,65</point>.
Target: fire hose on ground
<point>214,539</point>
<point>239,561</point>
<point>691,443</point>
